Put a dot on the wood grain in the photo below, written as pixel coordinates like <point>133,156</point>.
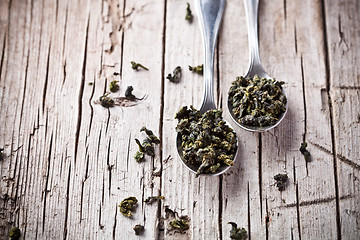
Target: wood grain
<point>68,162</point>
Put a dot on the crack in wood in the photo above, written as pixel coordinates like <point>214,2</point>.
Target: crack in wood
<point>249,212</point>
<point>295,38</point>
<point>343,159</point>
<point>46,78</point>
<point>81,92</point>
<point>109,167</point>
<point>67,197</point>
<point>260,172</point>
<point>46,183</point>
<point>267,220</point>
<point>297,201</point>
<point>318,201</point>
<point>305,112</point>
<point>115,222</point>
<point>2,55</point>
<point>220,207</point>
<point>328,86</point>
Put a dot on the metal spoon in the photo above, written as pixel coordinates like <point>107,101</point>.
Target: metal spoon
<point>255,67</point>
<point>209,13</point>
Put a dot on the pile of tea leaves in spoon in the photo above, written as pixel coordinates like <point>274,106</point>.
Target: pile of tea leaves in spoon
<point>257,101</point>
<point>207,141</point>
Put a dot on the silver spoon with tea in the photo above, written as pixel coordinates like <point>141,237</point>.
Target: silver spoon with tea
<point>256,102</point>
<point>206,143</point>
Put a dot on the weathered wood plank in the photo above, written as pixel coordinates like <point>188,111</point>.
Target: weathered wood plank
<point>76,162</point>
<point>197,198</point>
<point>69,162</point>
<point>240,186</point>
<point>295,62</point>
<point>342,32</point>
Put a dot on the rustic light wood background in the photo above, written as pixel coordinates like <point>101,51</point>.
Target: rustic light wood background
<point>69,162</point>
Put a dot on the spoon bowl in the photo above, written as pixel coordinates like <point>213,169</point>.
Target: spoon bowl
<point>209,13</point>
<point>255,66</point>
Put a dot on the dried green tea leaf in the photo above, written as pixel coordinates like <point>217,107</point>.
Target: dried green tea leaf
<point>139,156</point>
<point>138,229</point>
<point>207,141</point>
<point>189,17</point>
<point>152,198</point>
<point>281,180</point>
<point>305,152</point>
<point>90,83</point>
<point>257,101</point>
<point>14,233</point>
<point>106,101</point>
<point>176,75</point>
<point>127,205</point>
<point>180,224</point>
<point>199,69</point>
<point>150,134</point>
<point>128,93</point>
<point>148,147</point>
<point>114,86</point>
<point>237,233</point>
<point>136,66</point>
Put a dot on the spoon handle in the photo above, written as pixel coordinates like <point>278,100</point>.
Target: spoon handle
<point>251,9</point>
<point>209,13</point>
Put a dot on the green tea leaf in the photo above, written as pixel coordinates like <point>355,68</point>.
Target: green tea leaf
<point>14,233</point>
<point>176,75</point>
<point>237,233</point>
<point>257,101</point>
<point>136,66</point>
<point>197,69</point>
<point>281,180</point>
<point>189,17</point>
<point>114,86</point>
<point>128,93</point>
<point>127,206</point>
<point>150,134</point>
<point>138,229</point>
<point>207,141</point>
<point>106,101</point>
<point>152,198</point>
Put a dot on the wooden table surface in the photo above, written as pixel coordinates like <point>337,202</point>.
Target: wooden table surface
<point>68,162</point>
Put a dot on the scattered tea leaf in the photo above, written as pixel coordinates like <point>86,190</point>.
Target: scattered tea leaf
<point>148,147</point>
<point>106,101</point>
<point>14,233</point>
<point>114,86</point>
<point>176,75</point>
<point>207,141</point>
<point>281,180</point>
<point>138,229</point>
<point>189,17</point>
<point>257,101</point>
<point>237,233</point>
<point>305,152</point>
<point>180,224</point>
<point>136,66</point>
<point>151,135</point>
<point>90,83</point>
<point>127,205</point>
<point>139,156</point>
<point>128,93</point>
<point>152,198</point>
<point>199,69</point>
